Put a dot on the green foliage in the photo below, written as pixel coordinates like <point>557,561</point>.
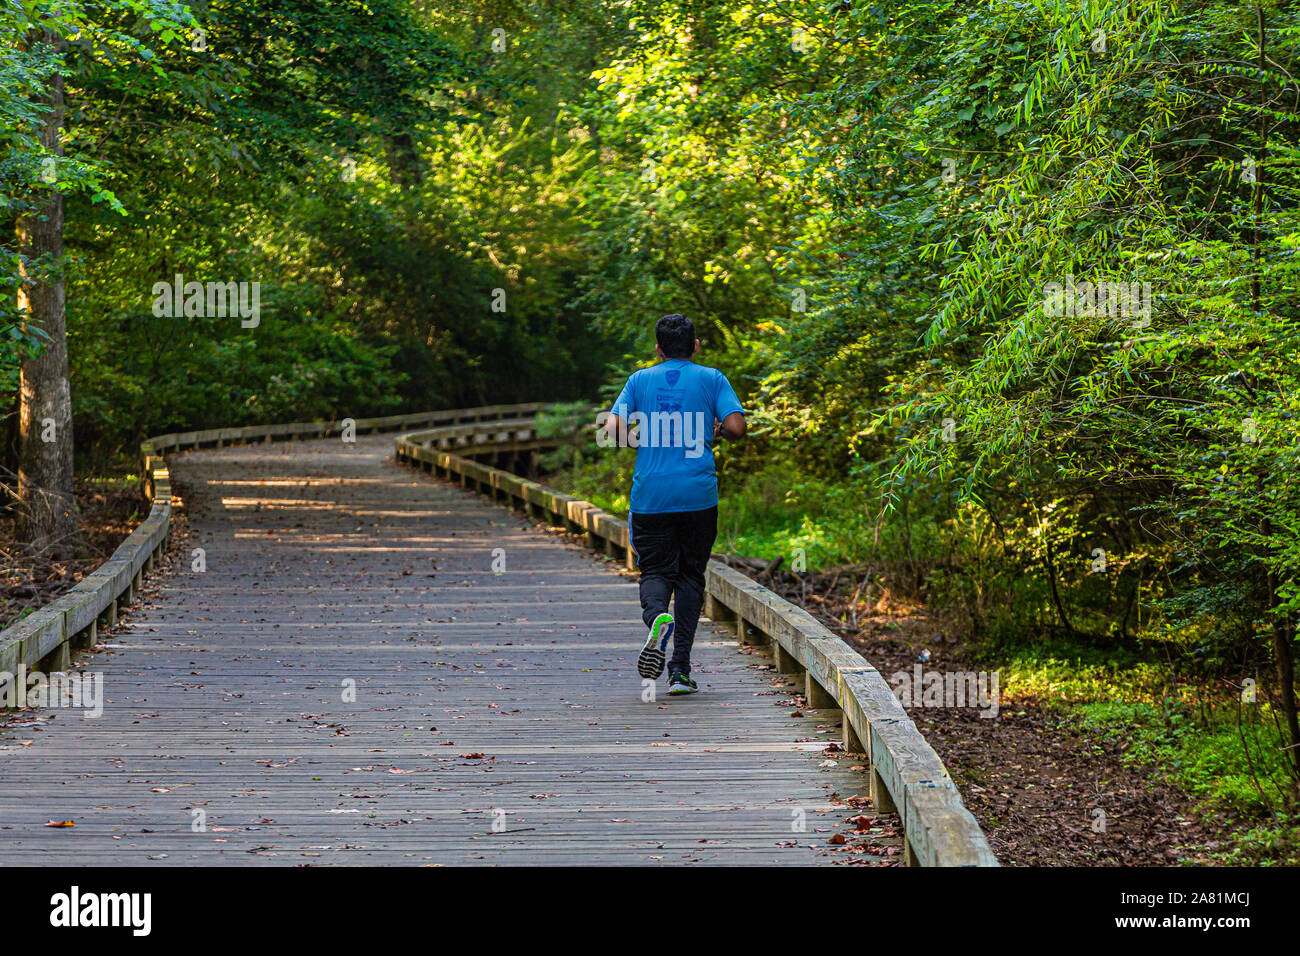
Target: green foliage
<point>1270,844</point>
<point>1228,760</point>
<point>408,219</point>
<point>38,41</point>
<point>863,208</point>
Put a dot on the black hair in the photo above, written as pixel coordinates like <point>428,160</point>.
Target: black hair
<point>676,336</point>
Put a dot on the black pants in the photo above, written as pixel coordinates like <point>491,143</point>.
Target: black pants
<point>672,551</point>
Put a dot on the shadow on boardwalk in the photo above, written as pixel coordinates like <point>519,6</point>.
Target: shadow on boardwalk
<point>350,681</point>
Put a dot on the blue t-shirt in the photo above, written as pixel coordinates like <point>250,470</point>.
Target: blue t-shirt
<point>675,405</point>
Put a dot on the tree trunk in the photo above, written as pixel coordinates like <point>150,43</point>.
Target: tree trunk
<point>47,509</point>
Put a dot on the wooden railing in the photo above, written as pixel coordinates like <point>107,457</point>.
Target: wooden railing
<point>44,639</point>
<point>906,775</point>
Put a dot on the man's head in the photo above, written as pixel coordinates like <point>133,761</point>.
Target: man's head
<point>675,337</point>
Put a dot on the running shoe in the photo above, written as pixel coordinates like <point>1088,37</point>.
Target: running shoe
<point>651,662</point>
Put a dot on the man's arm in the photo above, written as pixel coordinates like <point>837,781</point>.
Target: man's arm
<point>727,410</point>
<point>732,428</point>
<point>616,429</point>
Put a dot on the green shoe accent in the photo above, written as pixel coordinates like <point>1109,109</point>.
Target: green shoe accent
<point>680,684</point>
<point>650,663</point>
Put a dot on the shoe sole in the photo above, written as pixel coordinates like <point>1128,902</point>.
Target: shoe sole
<point>682,691</point>
<point>650,663</point>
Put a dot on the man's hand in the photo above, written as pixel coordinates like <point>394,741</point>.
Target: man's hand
<point>732,428</point>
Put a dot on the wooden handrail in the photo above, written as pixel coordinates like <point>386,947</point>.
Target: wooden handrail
<point>906,775</point>
<point>44,639</point>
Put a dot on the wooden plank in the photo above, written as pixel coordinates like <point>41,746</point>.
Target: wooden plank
<point>223,695</point>
<point>803,644</point>
<point>940,830</point>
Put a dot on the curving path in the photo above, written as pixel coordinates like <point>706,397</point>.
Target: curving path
<point>497,717</point>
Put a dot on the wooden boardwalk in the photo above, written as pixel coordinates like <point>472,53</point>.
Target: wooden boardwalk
<point>498,717</point>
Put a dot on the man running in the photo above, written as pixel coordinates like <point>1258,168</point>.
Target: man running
<point>678,409</point>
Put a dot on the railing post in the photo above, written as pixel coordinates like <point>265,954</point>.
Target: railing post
<point>818,698</point>
<point>849,740</point>
<point>724,617</point>
<point>742,629</point>
<point>58,659</point>
<point>785,662</point>
<point>89,636</point>
<point>880,798</point>
<point>711,604</point>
